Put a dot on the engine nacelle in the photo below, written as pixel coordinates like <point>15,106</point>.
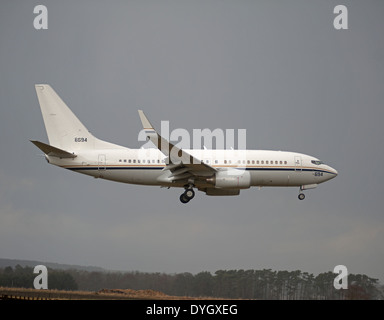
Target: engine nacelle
<point>233,179</point>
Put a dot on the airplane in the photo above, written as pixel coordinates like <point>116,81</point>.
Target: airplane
<point>215,172</point>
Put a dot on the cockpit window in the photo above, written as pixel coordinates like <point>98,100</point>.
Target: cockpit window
<point>317,162</point>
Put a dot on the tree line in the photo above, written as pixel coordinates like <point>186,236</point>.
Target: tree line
<point>243,284</point>
<point>22,277</point>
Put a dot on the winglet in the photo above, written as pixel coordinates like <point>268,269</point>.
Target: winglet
<point>144,120</point>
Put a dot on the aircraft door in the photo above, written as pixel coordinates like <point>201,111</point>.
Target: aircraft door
<point>102,162</point>
<point>298,164</point>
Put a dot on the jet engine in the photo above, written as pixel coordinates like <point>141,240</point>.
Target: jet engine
<point>232,179</point>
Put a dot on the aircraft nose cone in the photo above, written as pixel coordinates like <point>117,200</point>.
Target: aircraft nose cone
<point>334,173</point>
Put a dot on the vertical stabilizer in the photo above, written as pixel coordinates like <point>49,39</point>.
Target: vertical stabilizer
<point>64,129</point>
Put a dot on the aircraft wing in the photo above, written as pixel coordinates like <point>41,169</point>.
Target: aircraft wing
<point>181,163</point>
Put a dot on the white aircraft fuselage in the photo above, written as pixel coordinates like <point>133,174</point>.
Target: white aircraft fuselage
<point>267,168</point>
<point>215,172</point>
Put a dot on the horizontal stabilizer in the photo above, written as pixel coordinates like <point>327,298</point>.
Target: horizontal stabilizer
<point>53,151</point>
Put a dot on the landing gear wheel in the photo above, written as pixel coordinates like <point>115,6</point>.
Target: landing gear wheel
<point>301,196</point>
<point>189,193</point>
<point>184,199</point>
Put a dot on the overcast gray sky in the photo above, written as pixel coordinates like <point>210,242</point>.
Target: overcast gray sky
<point>276,68</point>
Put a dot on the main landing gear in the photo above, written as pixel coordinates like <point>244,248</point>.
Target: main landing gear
<point>187,195</point>
<point>301,196</point>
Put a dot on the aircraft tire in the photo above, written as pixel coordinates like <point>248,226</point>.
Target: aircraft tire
<point>189,193</point>
<point>301,196</point>
<point>184,198</point>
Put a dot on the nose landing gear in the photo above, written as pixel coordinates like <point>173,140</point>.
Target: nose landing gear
<point>306,187</point>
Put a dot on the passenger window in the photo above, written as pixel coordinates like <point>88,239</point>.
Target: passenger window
<point>225,161</point>
<point>285,162</point>
<point>129,161</point>
<point>262,161</point>
<point>266,162</point>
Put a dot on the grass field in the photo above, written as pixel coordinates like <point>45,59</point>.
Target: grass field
<point>104,294</point>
